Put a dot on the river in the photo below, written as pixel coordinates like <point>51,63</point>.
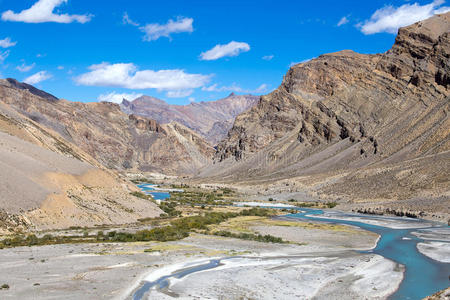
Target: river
<point>423,276</point>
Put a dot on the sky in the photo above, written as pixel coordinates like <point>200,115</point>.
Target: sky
<point>186,51</point>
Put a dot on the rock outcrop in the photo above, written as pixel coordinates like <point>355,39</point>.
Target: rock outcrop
<point>212,119</point>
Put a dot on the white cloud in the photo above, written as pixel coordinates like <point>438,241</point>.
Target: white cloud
<point>343,21</point>
<point>127,20</point>
<point>6,43</point>
<point>118,97</point>
<point>268,57</point>
<point>38,77</point>
<point>60,68</point>
<point>155,31</point>
<point>179,93</point>
<point>231,49</point>
<point>25,68</point>
<point>3,55</point>
<point>191,99</point>
<point>127,75</point>
<point>235,88</point>
<point>42,11</point>
<point>389,19</point>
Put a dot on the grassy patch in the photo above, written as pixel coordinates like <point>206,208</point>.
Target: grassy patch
<point>192,196</point>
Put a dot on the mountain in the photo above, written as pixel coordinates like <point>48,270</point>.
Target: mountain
<point>47,181</point>
<point>212,119</point>
<point>112,138</point>
<point>353,126</point>
<point>31,89</point>
<point>60,160</point>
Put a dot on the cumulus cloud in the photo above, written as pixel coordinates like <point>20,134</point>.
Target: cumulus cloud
<point>343,21</point>
<point>118,97</point>
<point>6,43</point>
<point>42,11</point>
<point>390,19</point>
<point>127,75</point>
<point>235,88</point>
<point>38,77</point>
<point>25,68</point>
<point>231,49</point>
<point>268,57</point>
<point>3,55</point>
<point>127,20</point>
<point>155,31</point>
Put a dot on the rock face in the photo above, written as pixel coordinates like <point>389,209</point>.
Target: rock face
<point>364,126</point>
<point>212,120</point>
<point>110,137</point>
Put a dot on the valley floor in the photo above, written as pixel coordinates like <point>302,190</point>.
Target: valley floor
<point>320,261</point>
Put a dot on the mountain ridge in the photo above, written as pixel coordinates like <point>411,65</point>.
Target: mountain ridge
<point>211,119</point>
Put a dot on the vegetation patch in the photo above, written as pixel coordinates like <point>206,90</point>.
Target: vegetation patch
<point>176,230</point>
<point>250,236</point>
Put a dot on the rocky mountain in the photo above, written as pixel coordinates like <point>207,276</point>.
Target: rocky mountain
<point>49,182</point>
<point>59,160</point>
<point>212,119</point>
<point>112,138</point>
<point>31,89</point>
<point>354,126</point>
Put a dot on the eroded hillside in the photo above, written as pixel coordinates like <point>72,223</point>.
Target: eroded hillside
<point>353,126</point>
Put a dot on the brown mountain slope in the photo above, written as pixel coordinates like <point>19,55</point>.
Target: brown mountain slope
<point>354,126</point>
<point>47,182</point>
<point>111,137</point>
<point>211,120</point>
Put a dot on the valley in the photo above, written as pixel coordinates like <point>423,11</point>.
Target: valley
<point>334,185</point>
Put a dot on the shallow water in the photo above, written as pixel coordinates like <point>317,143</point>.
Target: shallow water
<point>149,190</point>
<point>163,281</point>
<point>423,275</point>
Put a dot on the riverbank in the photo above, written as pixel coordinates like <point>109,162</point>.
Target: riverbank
<point>113,270</point>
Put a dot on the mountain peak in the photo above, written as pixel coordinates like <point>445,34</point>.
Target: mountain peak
<point>25,86</point>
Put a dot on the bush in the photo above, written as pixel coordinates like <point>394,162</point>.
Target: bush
<point>250,236</point>
<point>331,204</point>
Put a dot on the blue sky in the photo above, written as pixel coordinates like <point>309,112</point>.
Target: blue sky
<point>183,51</point>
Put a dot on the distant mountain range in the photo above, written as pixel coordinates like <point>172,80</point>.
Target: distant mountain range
<point>212,119</point>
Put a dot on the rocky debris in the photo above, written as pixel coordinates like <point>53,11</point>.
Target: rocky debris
<point>441,295</point>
